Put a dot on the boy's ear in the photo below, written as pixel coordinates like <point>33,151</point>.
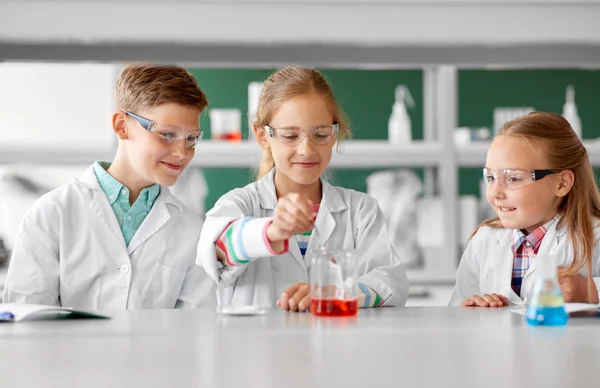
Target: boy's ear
<point>566,179</point>
<point>119,123</point>
<point>261,137</point>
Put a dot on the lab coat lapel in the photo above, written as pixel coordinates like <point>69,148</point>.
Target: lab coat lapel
<point>506,265</point>
<point>156,219</point>
<point>331,203</point>
<point>101,207</point>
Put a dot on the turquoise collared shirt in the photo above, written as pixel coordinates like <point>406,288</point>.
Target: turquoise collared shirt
<point>130,217</point>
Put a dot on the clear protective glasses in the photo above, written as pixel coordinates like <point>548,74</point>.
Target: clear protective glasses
<point>293,136</point>
<point>514,179</point>
<point>169,135</point>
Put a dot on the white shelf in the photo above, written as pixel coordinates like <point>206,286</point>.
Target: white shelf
<point>369,154</point>
<point>66,156</point>
<point>474,154</point>
<point>353,154</point>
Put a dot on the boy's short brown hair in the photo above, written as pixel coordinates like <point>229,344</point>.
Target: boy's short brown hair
<point>143,86</point>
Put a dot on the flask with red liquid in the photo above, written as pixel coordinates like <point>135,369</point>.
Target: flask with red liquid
<point>333,283</point>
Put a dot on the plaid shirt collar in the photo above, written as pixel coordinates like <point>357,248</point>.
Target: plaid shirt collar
<point>533,239</point>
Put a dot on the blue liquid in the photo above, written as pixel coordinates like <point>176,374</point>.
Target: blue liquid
<point>546,316</point>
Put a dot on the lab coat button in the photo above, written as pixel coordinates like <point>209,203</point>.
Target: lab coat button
<point>124,269</point>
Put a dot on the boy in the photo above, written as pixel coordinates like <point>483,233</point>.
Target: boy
<point>116,238</point>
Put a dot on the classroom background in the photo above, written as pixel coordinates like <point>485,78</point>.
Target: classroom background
<point>458,68</point>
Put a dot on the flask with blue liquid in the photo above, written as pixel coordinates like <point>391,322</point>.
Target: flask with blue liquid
<point>546,305</point>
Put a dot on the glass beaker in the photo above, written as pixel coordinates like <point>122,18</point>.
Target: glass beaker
<point>226,124</point>
<point>545,304</point>
<point>333,283</point>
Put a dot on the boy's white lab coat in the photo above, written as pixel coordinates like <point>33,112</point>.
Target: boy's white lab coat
<point>70,251</point>
<point>346,220</point>
<point>487,263</point>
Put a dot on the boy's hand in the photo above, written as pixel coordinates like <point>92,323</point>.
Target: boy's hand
<point>575,289</point>
<point>295,298</point>
<point>293,214</point>
<point>487,300</point>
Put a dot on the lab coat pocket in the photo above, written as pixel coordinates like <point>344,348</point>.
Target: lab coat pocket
<point>164,288</point>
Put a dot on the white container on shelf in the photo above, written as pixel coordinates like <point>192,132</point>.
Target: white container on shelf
<point>503,115</point>
<point>254,91</point>
<point>399,124</point>
<point>462,136</point>
<point>570,111</point>
<point>225,124</point>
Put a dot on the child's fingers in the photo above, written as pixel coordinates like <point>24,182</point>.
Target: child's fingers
<point>286,220</point>
<point>479,301</point>
<point>467,303</point>
<point>504,300</point>
<point>299,295</point>
<point>289,223</point>
<point>299,207</point>
<point>304,303</point>
<point>302,220</point>
<point>490,300</point>
<point>294,217</point>
<point>497,299</point>
<point>292,289</point>
<point>283,302</point>
<point>303,205</point>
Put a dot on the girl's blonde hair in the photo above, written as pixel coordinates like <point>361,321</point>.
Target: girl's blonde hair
<point>564,151</point>
<point>288,83</point>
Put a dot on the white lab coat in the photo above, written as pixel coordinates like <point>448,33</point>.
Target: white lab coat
<point>486,265</point>
<point>70,251</point>
<point>346,220</point>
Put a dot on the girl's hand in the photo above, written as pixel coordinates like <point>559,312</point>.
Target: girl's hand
<point>487,300</point>
<point>293,214</point>
<point>295,298</point>
<point>575,289</point>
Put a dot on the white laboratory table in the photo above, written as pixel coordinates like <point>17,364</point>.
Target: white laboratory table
<point>387,347</point>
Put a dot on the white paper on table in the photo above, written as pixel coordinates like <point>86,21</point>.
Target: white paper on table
<point>569,308</point>
<point>21,311</point>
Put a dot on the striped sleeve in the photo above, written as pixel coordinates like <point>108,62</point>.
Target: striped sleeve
<point>367,297</point>
<point>245,240</point>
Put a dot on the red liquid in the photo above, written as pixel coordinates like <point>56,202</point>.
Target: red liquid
<point>334,307</point>
<point>230,136</point>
